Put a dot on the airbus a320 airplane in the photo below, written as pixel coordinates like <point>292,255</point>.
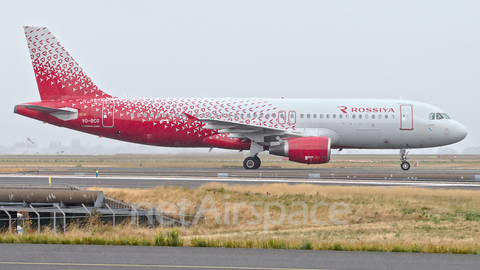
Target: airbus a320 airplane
<point>304,130</point>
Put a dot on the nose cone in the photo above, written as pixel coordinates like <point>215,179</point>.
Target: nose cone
<point>460,132</point>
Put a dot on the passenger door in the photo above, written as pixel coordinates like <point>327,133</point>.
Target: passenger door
<point>406,115</point>
<point>108,112</point>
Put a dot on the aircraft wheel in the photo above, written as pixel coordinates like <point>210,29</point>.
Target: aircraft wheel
<point>251,163</point>
<point>405,166</point>
<point>258,162</point>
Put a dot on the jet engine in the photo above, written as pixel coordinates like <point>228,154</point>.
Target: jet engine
<point>310,150</point>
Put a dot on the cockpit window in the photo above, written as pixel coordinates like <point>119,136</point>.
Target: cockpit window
<point>438,116</point>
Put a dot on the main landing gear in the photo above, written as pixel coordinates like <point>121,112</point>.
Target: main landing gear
<point>252,163</point>
<point>405,165</point>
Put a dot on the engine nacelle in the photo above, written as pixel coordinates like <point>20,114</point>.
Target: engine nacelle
<point>310,150</point>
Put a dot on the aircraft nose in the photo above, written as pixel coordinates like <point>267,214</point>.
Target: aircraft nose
<point>461,132</point>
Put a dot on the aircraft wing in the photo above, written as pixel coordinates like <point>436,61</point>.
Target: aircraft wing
<point>241,130</point>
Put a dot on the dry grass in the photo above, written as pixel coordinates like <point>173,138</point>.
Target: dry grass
<point>122,234</point>
<point>390,219</point>
<point>11,170</point>
<point>380,219</point>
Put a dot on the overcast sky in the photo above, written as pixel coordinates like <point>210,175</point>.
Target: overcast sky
<point>427,51</point>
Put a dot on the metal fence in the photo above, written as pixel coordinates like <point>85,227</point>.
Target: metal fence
<point>59,219</point>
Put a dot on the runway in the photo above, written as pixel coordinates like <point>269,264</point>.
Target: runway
<point>31,256</point>
<point>195,177</point>
<point>356,173</point>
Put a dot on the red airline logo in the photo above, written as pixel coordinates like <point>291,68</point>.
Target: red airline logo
<point>344,109</point>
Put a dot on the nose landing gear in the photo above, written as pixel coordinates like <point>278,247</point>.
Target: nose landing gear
<point>405,165</point>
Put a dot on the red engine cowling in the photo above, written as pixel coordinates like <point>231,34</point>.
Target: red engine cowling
<point>309,150</point>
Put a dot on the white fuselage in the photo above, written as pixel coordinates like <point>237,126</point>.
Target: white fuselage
<point>379,124</point>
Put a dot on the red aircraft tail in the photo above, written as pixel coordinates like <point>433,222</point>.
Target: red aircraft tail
<point>58,75</point>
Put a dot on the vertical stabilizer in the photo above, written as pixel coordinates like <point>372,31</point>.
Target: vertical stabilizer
<point>58,75</point>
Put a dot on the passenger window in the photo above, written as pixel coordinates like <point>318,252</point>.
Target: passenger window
<point>242,115</point>
<point>373,116</point>
<point>314,115</point>
<point>431,116</point>
<point>386,116</point>
<point>248,115</point>
<point>328,115</point>
<point>346,116</point>
<point>321,116</point>
<point>308,116</point>
<point>393,116</point>
<point>379,116</point>
<point>274,116</point>
<point>340,116</point>
<point>366,116</point>
<point>359,116</point>
<point>353,116</point>
<point>267,115</point>
<point>334,116</point>
<point>301,115</point>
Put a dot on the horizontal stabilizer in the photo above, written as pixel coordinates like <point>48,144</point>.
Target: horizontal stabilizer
<point>61,113</point>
